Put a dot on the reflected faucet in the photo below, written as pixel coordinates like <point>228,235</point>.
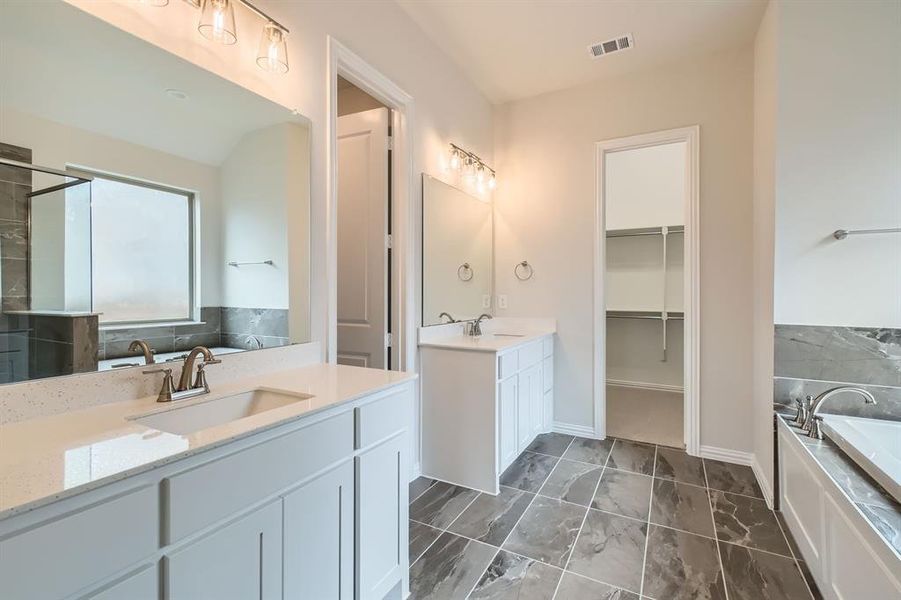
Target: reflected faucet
<point>812,423</point>
<point>450,319</point>
<point>145,350</point>
<point>476,328</point>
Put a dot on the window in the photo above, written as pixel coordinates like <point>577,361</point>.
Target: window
<point>142,242</point>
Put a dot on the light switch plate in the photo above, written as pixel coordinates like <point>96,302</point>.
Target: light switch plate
<point>486,301</point>
<point>502,301</point>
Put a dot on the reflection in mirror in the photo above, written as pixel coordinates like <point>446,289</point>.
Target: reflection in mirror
<point>456,254</point>
<point>146,206</point>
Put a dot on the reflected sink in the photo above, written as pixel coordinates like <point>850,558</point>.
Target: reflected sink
<point>508,334</point>
<point>203,415</point>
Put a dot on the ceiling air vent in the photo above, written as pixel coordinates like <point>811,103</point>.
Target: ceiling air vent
<point>615,45</point>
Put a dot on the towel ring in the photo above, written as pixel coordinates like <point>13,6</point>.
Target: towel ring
<point>464,272</point>
<point>523,271</point>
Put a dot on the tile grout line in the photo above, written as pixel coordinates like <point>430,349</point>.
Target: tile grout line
<point>584,518</point>
<point>419,495</point>
<point>534,495</point>
<point>795,557</point>
<point>716,534</point>
<point>647,535</point>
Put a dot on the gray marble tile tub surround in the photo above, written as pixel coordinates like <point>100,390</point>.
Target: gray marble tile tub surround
<point>888,399</point>
<point>15,208</point>
<point>852,354</point>
<point>543,546</point>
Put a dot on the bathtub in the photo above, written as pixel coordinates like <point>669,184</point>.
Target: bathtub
<point>874,444</point>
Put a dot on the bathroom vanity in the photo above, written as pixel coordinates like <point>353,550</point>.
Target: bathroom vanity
<point>294,486</point>
<point>484,398</point>
<point>846,526</point>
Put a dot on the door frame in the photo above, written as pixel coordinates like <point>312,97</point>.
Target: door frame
<point>691,280</point>
<point>344,62</point>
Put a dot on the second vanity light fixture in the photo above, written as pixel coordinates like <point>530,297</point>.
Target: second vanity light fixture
<point>472,168</point>
<point>217,23</point>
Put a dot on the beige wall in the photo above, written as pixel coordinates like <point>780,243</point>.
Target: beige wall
<point>545,148</point>
<point>765,102</point>
<point>838,162</point>
<point>352,99</point>
<point>448,107</point>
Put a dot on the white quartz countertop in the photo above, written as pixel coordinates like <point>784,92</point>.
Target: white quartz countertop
<point>489,341</point>
<point>45,459</point>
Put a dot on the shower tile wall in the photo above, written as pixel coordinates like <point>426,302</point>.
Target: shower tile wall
<point>15,185</point>
<point>268,325</point>
<point>62,345</point>
<point>811,359</point>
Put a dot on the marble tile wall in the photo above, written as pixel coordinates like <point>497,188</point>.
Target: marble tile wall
<point>812,359</point>
<point>15,185</point>
<point>242,327</point>
<point>852,354</point>
<point>62,345</point>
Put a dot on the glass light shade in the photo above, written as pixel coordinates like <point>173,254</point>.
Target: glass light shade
<point>469,169</point>
<point>492,182</point>
<point>217,22</point>
<point>480,174</point>
<point>273,53</point>
<point>454,162</point>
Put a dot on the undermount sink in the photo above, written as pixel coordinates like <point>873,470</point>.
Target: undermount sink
<point>210,413</point>
<point>508,334</point>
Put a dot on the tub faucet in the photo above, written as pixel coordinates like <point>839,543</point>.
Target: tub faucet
<point>812,423</point>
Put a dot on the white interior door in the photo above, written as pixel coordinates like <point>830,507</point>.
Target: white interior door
<point>362,238</point>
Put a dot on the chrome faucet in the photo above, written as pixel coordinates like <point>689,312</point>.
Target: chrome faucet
<point>476,327</point>
<point>145,350</point>
<point>185,388</point>
<point>812,423</point>
<point>450,319</point>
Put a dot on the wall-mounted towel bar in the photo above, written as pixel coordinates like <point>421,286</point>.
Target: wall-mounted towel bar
<point>841,234</point>
<point>235,263</point>
<point>618,233</point>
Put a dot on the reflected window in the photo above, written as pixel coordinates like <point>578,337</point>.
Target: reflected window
<point>142,240</point>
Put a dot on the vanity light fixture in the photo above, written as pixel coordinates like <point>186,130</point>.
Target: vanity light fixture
<point>217,23</point>
<point>472,168</point>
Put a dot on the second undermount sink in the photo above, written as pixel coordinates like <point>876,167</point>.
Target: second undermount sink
<point>219,411</point>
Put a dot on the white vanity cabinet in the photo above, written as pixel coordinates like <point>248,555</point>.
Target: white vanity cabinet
<point>313,509</point>
<point>483,403</point>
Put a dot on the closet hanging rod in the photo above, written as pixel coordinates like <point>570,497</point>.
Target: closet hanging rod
<point>841,234</point>
<point>616,233</point>
<point>644,314</point>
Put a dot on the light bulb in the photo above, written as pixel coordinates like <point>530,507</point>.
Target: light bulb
<point>492,182</point>
<point>480,175</point>
<point>273,52</point>
<point>454,159</point>
<point>217,22</point>
<point>469,168</point>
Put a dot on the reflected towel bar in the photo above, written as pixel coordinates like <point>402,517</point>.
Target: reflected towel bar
<point>258,262</point>
<point>841,234</point>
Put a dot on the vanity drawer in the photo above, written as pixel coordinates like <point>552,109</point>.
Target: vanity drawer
<point>206,494</point>
<point>530,354</point>
<point>507,364</point>
<point>547,346</point>
<point>81,548</point>
<point>381,419</point>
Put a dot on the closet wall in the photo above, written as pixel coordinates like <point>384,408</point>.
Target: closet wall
<point>645,191</point>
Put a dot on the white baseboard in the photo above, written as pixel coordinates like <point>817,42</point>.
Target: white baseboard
<point>728,455</point>
<point>577,430</point>
<point>763,482</point>
<point>641,385</point>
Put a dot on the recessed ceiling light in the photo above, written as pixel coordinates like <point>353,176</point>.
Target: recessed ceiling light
<point>177,94</point>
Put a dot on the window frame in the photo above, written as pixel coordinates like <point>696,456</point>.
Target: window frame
<point>193,288</point>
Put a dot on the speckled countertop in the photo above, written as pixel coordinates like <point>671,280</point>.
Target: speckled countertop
<point>489,342</point>
<point>45,459</point>
<point>876,505</point>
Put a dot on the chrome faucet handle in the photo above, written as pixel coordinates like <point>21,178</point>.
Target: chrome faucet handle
<point>803,410</point>
<point>816,427</point>
<point>165,394</point>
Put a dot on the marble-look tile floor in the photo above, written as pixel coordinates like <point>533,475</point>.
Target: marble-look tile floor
<point>580,519</point>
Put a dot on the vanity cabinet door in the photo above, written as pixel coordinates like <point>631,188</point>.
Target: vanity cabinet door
<point>381,518</point>
<point>507,391</point>
<point>318,521</point>
<point>143,585</point>
<point>529,405</point>
<point>536,402</point>
<point>241,560</point>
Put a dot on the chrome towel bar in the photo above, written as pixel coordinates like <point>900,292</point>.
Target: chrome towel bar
<point>258,262</point>
<point>841,234</point>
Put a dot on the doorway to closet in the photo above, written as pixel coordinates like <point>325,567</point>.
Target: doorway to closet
<point>646,308</point>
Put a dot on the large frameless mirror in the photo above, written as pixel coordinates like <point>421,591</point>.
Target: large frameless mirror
<point>147,206</point>
<point>457,234</point>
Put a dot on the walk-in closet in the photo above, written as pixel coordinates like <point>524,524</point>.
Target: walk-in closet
<point>645,191</point>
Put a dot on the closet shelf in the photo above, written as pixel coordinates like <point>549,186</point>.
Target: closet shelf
<point>616,233</point>
<point>644,314</point>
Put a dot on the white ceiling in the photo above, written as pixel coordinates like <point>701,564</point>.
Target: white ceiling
<point>61,64</point>
<point>514,49</point>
